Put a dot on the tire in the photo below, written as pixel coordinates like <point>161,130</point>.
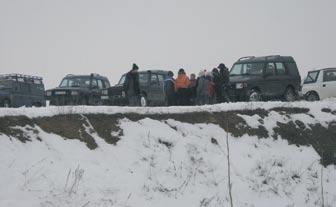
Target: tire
<point>143,101</point>
<point>290,95</point>
<point>312,96</point>
<point>254,96</point>
<point>37,104</point>
<point>6,103</point>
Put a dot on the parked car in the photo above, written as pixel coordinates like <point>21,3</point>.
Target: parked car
<point>18,90</point>
<point>319,84</point>
<point>78,90</point>
<point>264,78</point>
<point>151,90</point>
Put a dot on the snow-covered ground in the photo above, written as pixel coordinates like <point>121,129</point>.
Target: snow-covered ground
<point>315,107</point>
<point>159,163</point>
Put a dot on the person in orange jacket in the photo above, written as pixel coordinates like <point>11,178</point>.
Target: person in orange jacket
<point>182,83</point>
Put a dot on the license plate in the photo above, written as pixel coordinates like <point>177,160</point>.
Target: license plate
<point>104,97</point>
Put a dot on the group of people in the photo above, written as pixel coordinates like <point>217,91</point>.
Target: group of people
<point>208,88</point>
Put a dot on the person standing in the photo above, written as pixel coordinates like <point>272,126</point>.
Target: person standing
<point>181,87</point>
<point>169,89</point>
<point>192,89</point>
<point>202,89</point>
<point>131,86</point>
<point>218,85</point>
<point>225,76</point>
<point>211,87</point>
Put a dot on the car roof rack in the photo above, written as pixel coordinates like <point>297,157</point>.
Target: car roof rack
<point>272,56</point>
<point>246,58</point>
<point>15,75</point>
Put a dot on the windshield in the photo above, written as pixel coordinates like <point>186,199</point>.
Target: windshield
<point>122,80</point>
<point>5,84</point>
<point>247,69</point>
<point>83,82</point>
<point>312,77</point>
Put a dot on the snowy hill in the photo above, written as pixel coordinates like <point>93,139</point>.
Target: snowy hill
<point>176,156</point>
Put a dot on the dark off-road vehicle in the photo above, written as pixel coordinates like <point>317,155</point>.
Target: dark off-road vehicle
<point>265,78</point>
<point>78,90</point>
<point>21,90</point>
<point>151,90</point>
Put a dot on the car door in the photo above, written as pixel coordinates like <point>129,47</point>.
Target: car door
<point>154,89</point>
<point>161,94</point>
<point>271,85</point>
<point>328,86</point>
<point>283,78</point>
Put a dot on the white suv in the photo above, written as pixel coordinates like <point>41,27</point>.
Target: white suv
<point>320,84</point>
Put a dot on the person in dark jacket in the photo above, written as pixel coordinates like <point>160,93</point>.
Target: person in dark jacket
<point>225,76</point>
<point>218,85</point>
<point>169,89</point>
<point>132,87</point>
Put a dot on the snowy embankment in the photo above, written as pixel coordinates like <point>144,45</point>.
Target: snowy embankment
<point>176,156</point>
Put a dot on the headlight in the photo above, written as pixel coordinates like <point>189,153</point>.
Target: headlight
<point>48,93</point>
<point>74,93</point>
<point>105,92</point>
<point>241,85</point>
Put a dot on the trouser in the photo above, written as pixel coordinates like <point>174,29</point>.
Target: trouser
<point>133,100</point>
<point>203,99</point>
<point>182,97</point>
<point>170,100</point>
<point>219,95</point>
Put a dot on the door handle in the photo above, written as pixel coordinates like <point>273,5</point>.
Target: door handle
<point>324,85</point>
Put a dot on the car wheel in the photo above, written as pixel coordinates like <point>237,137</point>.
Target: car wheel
<point>6,103</point>
<point>289,95</point>
<point>37,104</point>
<point>143,101</point>
<point>312,96</point>
<point>254,96</point>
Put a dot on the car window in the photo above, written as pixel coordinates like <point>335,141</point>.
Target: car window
<point>281,70</point>
<point>143,78</point>
<point>100,84</point>
<point>312,77</point>
<point>107,84</point>
<point>122,80</point>
<point>154,79</point>
<point>270,69</point>
<point>247,69</point>
<point>161,78</point>
<point>329,75</point>
<point>64,83</point>
<point>236,69</point>
<point>94,83</point>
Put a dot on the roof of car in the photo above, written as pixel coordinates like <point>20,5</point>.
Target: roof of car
<point>251,59</point>
<point>94,75</point>
<point>321,69</point>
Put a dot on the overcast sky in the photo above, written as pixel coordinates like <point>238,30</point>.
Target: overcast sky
<point>51,38</point>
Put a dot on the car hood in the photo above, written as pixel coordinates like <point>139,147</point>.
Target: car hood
<point>4,92</point>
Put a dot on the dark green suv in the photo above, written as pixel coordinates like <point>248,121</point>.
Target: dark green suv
<point>265,78</point>
<point>18,90</point>
<point>78,90</point>
<point>151,90</point>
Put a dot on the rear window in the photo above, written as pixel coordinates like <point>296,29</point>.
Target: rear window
<point>312,77</point>
<point>329,75</point>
